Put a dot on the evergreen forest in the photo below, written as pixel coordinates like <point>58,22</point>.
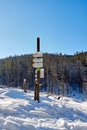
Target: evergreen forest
<point>60,72</point>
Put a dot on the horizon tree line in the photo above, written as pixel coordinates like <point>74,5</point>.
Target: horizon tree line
<point>63,73</point>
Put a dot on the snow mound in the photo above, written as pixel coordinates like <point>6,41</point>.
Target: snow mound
<point>18,111</point>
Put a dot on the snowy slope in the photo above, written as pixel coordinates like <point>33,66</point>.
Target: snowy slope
<point>18,111</point>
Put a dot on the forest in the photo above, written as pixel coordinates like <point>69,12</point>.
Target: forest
<point>61,72</point>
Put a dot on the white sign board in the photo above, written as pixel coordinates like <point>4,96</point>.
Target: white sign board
<point>37,65</point>
<point>38,54</point>
<point>38,60</point>
<point>35,75</point>
<point>41,73</point>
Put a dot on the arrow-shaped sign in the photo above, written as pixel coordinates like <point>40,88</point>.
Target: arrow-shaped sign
<point>38,60</point>
<point>38,54</point>
<point>38,65</point>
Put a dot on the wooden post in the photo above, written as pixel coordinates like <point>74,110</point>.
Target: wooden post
<point>37,82</point>
<point>25,86</point>
<point>38,44</point>
<point>35,94</point>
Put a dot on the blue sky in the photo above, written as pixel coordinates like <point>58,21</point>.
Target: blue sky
<point>60,24</point>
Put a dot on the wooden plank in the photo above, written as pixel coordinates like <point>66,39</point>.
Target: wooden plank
<point>38,60</point>
<point>37,65</point>
<point>38,54</point>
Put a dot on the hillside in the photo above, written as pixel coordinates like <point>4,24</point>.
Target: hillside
<point>18,111</point>
<point>58,70</point>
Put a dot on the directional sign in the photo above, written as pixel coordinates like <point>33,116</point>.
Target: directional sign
<point>36,65</point>
<point>38,60</point>
<point>38,54</point>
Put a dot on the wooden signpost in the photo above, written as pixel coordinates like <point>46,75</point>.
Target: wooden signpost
<point>38,64</point>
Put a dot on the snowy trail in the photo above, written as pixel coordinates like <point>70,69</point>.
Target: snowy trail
<point>18,111</point>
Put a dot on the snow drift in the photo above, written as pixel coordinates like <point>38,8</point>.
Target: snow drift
<point>18,111</point>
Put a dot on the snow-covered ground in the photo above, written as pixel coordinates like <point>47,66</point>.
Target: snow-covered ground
<point>18,111</point>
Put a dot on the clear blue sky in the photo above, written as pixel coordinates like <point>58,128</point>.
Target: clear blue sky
<point>60,24</point>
